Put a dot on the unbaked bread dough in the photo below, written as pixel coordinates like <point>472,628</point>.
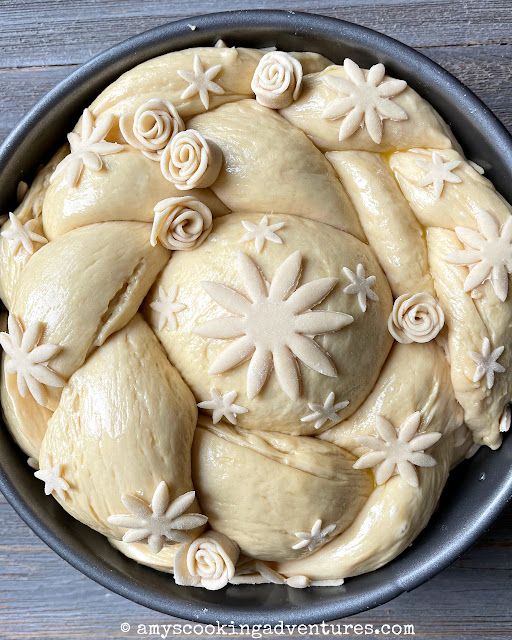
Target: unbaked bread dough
<point>259,306</point>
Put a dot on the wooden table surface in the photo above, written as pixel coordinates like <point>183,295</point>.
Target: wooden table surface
<point>41,43</point>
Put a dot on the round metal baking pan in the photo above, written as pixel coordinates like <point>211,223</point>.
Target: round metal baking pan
<point>477,490</point>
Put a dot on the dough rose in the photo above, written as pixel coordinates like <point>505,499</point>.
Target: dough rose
<point>190,161</point>
<point>208,561</point>
<point>277,80</point>
<point>416,318</point>
<point>151,128</point>
<point>181,223</point>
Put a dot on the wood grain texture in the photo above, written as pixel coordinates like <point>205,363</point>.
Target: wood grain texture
<point>42,42</point>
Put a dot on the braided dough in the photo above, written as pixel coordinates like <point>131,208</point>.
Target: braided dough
<point>298,249</point>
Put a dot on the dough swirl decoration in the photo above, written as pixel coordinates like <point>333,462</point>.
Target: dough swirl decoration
<point>258,307</point>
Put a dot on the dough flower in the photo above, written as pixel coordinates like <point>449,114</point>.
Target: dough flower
<point>180,223</point>
<point>151,127</point>
<point>189,161</point>
<point>277,80</point>
<point>208,561</point>
<point>416,318</point>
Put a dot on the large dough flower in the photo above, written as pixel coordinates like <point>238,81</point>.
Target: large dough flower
<point>273,327</point>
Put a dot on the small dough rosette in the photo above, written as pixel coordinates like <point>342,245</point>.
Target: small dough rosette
<point>415,318</point>
<point>208,561</point>
<point>190,161</point>
<point>277,80</point>
<point>151,127</point>
<point>180,223</point>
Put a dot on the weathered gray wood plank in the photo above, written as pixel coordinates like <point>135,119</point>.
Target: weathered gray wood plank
<point>34,33</point>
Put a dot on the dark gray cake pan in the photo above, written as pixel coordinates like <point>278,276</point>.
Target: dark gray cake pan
<point>477,490</point>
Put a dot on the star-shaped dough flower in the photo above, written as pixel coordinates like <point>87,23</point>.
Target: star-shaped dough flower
<point>437,172</point>
<point>360,285</point>
<point>326,411</point>
<point>261,232</point>
<point>312,539</point>
<point>167,307</point>
<point>486,363</point>
<point>160,521</point>
<point>22,236</point>
<point>364,100</point>
<point>274,326</point>
<point>87,148</point>
<point>201,81</point>
<point>397,452</point>
<point>488,253</point>
<point>53,481</point>
<point>29,360</point>
<point>222,406</point>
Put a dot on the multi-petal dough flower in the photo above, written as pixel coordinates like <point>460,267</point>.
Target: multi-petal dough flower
<point>180,223</point>
<point>364,100</point>
<point>326,411</point>
<point>29,360</point>
<point>416,318</point>
<point>208,561</point>
<point>361,286</point>
<point>166,306</point>
<point>274,325</point>
<point>189,161</point>
<point>312,539</point>
<point>88,148</point>
<point>261,232</point>
<point>22,236</point>
<point>437,172</point>
<point>201,82</point>
<point>222,406</point>
<point>160,521</point>
<point>488,254</point>
<point>486,363</point>
<point>277,80</point>
<point>151,127</point>
<point>53,481</point>
<point>397,452</point>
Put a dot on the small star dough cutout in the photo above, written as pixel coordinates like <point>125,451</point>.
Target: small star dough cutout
<point>361,286</point>
<point>223,406</point>
<point>486,363</point>
<point>326,411</point>
<point>166,306</point>
<point>22,236</point>
<point>437,172</point>
<point>261,232</point>
<point>201,82</point>
<point>315,537</point>
<point>53,481</point>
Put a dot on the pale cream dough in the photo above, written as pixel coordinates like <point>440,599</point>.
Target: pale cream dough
<point>423,127</point>
<point>270,165</point>
<point>415,378</point>
<point>140,552</point>
<point>387,220</point>
<point>31,206</point>
<point>357,361</point>
<point>127,188</point>
<point>469,321</point>
<point>158,78</point>
<point>259,489</point>
<point>124,423</point>
<point>458,202</point>
<point>86,285</point>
